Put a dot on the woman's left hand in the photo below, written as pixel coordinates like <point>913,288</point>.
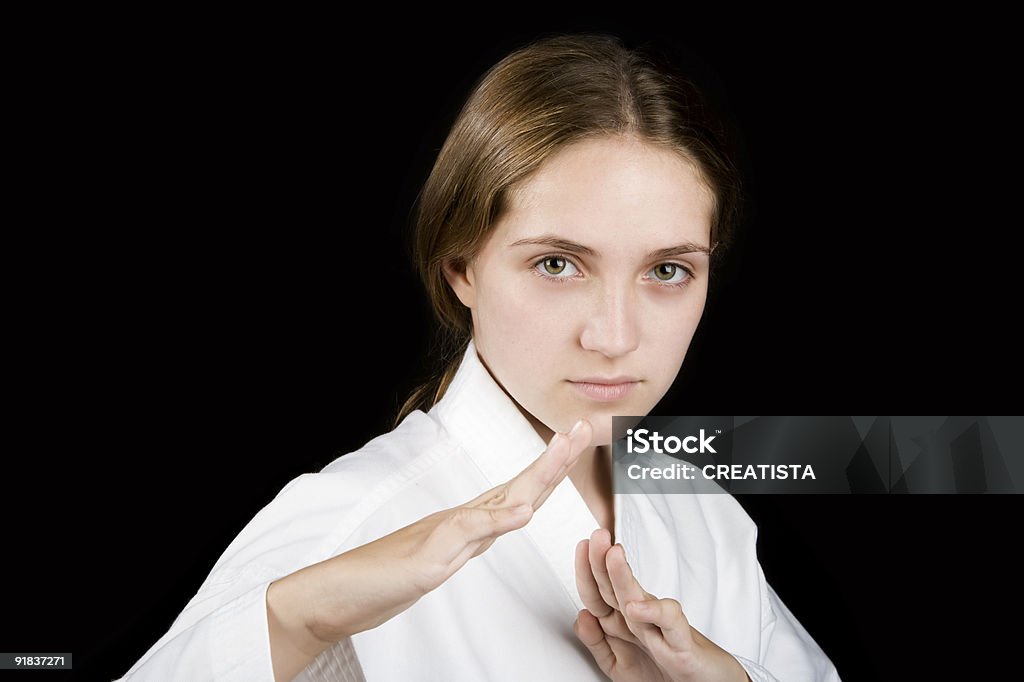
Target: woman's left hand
<point>632,634</point>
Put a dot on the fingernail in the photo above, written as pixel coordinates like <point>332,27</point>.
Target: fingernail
<point>575,427</point>
<point>522,510</point>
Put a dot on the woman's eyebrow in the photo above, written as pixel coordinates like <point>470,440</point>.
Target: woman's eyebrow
<point>567,245</point>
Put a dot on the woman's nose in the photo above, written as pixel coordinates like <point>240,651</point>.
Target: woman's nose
<point>612,328</point>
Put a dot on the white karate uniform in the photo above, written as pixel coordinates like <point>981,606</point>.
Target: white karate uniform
<point>507,614</point>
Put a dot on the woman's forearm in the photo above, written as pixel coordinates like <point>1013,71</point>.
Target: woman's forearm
<point>293,645</point>
<point>310,610</point>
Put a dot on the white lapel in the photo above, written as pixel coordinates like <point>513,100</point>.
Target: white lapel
<point>488,424</point>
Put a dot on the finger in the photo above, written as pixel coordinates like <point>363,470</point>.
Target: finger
<point>626,654</point>
<point>627,589</point>
<point>469,532</point>
<point>600,543</point>
<point>590,593</point>
<point>666,614</point>
<point>625,584</point>
<point>466,527</point>
<point>531,481</point>
<point>535,483</point>
<point>589,631</point>
<point>580,436</point>
<point>614,624</point>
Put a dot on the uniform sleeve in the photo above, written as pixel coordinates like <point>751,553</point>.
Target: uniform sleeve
<point>788,652</point>
<point>228,642</point>
<point>222,633</point>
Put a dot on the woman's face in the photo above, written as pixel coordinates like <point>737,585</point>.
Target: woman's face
<point>586,295</point>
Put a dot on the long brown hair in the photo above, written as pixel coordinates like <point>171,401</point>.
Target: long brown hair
<point>540,98</point>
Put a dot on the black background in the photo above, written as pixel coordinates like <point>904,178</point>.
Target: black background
<point>252,314</point>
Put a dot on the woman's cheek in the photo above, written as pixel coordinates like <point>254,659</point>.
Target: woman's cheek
<point>549,302</point>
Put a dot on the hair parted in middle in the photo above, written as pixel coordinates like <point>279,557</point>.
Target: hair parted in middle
<point>539,99</point>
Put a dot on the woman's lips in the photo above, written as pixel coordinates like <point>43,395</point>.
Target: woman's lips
<point>604,392</point>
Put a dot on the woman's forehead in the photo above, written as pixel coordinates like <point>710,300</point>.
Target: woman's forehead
<point>609,190</point>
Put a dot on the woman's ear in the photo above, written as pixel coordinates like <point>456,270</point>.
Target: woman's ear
<point>462,280</point>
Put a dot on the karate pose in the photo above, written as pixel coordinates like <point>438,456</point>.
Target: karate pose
<point>566,237</point>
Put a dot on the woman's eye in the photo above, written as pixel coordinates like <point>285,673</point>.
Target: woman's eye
<point>670,273</point>
<point>555,266</point>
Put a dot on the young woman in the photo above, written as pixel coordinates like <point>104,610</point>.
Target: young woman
<point>566,237</point>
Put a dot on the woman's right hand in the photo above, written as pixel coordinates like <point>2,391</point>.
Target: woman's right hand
<point>321,604</point>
